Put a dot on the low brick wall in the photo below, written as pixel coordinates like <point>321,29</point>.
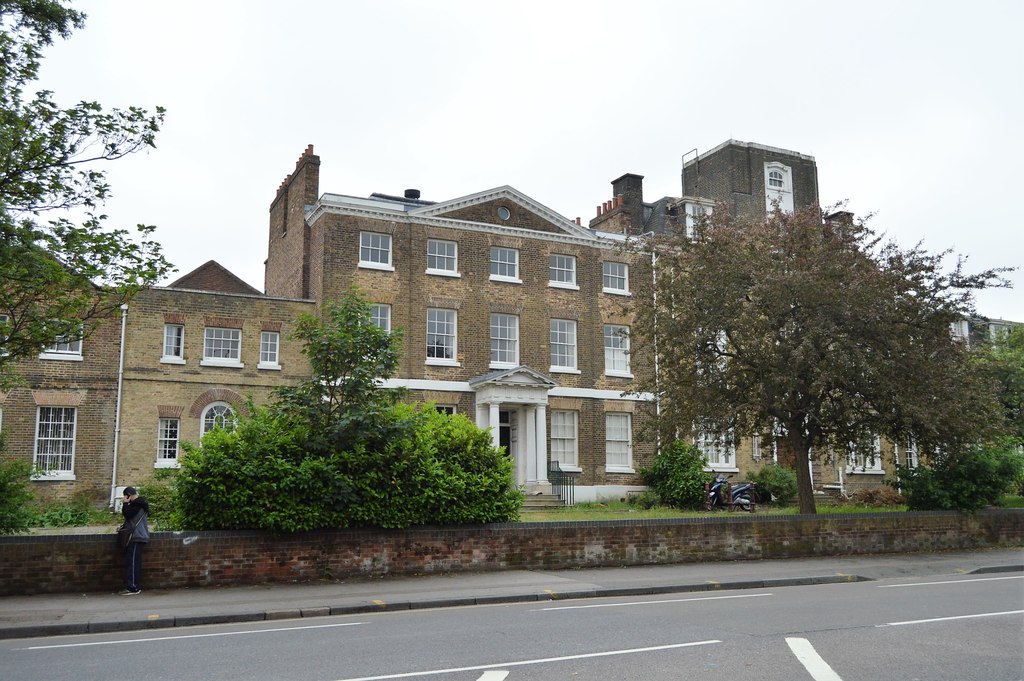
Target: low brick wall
<point>82,563</point>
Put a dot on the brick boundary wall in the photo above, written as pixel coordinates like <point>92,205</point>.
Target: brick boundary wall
<point>83,563</point>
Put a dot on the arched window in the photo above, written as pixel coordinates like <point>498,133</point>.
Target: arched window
<point>217,415</point>
<point>775,179</point>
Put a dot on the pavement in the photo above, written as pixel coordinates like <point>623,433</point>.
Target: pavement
<point>82,613</point>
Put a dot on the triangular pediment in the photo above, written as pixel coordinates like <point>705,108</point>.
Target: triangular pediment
<point>518,376</point>
<point>504,207</point>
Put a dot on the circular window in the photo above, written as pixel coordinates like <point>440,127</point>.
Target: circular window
<point>504,213</point>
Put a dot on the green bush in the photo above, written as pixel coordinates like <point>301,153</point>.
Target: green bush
<point>158,491</point>
<point>964,481</point>
<point>647,499</point>
<point>677,475</point>
<point>15,515</point>
<point>877,497</point>
<point>778,481</point>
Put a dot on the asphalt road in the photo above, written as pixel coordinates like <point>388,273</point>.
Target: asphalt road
<point>960,627</point>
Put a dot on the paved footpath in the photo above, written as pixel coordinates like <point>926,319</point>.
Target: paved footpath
<point>80,613</point>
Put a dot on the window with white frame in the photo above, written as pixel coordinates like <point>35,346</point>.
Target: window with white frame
<point>380,316</point>
<point>504,340</point>
<point>442,257</point>
<point>618,442</point>
<point>865,456</point>
<point>778,186</point>
<point>66,348</point>
<point>719,449</point>
<point>564,439</point>
<point>562,271</point>
<point>168,431</point>
<point>270,345</point>
<point>911,458</point>
<point>446,409</point>
<point>174,344</point>
<point>442,330</point>
<point>505,264</point>
<point>616,350</point>
<point>375,251</point>
<point>563,345</point>
<point>54,455</point>
<point>217,415</point>
<point>222,347</point>
<point>764,447</point>
<point>694,211</point>
<point>615,277</point>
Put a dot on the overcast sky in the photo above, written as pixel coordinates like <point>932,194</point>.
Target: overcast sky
<point>912,110</point>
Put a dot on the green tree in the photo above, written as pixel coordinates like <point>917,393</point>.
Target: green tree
<point>1004,361</point>
<point>60,276</point>
<point>816,330</point>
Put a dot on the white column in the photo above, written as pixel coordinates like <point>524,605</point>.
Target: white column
<point>495,424</point>
<point>542,443</point>
<point>530,442</point>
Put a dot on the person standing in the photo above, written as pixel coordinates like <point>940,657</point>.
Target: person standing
<point>135,510</point>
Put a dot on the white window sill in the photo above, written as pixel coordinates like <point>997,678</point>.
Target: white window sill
<point>444,273</point>
<point>216,362</point>
<point>619,469</point>
<point>53,476</point>
<point>61,356</point>
<point>272,366</point>
<point>507,280</point>
<point>167,463</point>
<point>376,266</point>
<point>618,374</point>
<point>563,285</point>
<point>563,370</point>
<point>721,469</point>
<point>170,359</point>
<point>442,362</point>
<point>863,471</point>
<point>615,291</point>
<point>568,468</point>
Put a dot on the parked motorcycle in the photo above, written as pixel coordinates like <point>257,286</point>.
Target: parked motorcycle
<point>721,494</point>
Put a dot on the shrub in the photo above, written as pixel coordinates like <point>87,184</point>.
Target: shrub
<point>883,497</point>
<point>963,481</point>
<point>15,515</point>
<point>677,475</point>
<point>158,491</point>
<point>647,499</point>
<point>777,481</point>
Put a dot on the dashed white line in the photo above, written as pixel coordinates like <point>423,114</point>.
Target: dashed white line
<point>671,600</point>
<point>493,675</point>
<point>811,660</point>
<point>522,663</point>
<point>949,619</point>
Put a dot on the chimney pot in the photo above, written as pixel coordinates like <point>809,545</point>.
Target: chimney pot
<point>412,193</point>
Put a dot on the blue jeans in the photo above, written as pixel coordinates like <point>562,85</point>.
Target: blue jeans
<point>133,565</point>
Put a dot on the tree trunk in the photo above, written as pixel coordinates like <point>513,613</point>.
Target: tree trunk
<point>802,466</point>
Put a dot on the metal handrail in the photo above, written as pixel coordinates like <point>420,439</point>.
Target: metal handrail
<point>563,483</point>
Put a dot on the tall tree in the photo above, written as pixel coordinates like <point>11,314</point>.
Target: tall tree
<point>1004,360</point>
<point>815,332</point>
<point>61,268</point>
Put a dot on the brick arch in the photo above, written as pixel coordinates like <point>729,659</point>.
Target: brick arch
<point>218,395</point>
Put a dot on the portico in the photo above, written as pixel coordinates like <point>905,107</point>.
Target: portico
<point>513,404</point>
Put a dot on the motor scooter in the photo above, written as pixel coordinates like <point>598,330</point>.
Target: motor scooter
<point>720,493</point>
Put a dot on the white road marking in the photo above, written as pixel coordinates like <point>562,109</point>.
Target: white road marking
<point>494,675</point>
<point>522,663</point>
<point>174,638</point>
<point>950,581</point>
<point>811,660</point>
<point>672,600</point>
<point>948,619</point>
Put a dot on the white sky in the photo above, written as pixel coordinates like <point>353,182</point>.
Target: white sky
<point>912,110</point>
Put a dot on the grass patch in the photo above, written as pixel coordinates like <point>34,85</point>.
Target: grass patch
<point>1010,501</point>
<point>617,510</point>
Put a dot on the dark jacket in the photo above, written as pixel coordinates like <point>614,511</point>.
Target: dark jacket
<point>131,509</point>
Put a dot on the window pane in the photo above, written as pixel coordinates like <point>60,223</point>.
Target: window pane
<point>380,315</point>
<point>55,439</point>
<point>174,337</point>
<point>440,334</point>
<point>167,440</point>
<point>616,348</point>
<point>222,343</point>
<point>269,341</point>
<point>441,255</point>
<point>218,415</point>
<point>563,437</point>
<point>617,439</point>
<point>563,343</point>
<point>615,276</point>
<point>504,338</point>
<point>562,269</point>
<point>375,248</point>
<point>504,262</point>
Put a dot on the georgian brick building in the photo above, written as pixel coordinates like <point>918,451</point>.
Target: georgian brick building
<point>510,314</point>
